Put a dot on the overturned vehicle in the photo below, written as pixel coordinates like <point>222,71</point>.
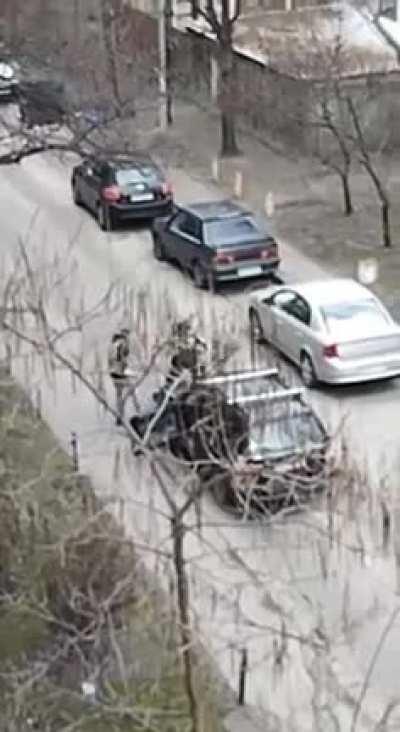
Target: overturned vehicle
<point>255,443</point>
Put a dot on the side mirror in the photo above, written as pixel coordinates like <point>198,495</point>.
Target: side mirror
<point>268,300</point>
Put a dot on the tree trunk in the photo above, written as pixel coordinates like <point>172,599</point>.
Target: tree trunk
<point>385,212</point>
<point>107,21</point>
<point>384,202</point>
<point>185,632</point>
<point>229,145</point>
<point>347,201</point>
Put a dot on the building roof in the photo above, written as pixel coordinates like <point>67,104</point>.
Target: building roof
<point>300,42</point>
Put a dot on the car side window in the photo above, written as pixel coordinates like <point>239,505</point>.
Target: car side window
<point>188,225</point>
<point>97,170</point>
<point>283,300</point>
<point>301,310</point>
<point>296,306</point>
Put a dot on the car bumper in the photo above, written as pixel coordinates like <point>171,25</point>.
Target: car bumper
<point>245,270</point>
<point>340,371</point>
<point>148,210</point>
<point>8,92</point>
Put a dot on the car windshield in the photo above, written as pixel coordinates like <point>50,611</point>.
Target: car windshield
<point>352,315</point>
<point>236,230</point>
<point>132,176</point>
<point>288,427</point>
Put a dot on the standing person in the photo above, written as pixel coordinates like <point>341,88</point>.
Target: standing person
<point>118,355</point>
<point>188,349</point>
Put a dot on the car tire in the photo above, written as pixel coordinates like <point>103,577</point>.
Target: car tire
<point>76,196</point>
<point>159,249</point>
<point>199,276</point>
<point>307,370</point>
<point>256,329</point>
<point>104,218</point>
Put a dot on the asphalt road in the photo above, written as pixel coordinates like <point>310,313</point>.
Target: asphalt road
<point>248,579</point>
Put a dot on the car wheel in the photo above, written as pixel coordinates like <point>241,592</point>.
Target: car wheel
<point>159,249</point>
<point>256,329</point>
<point>307,371</point>
<point>104,218</point>
<point>199,277</point>
<point>76,196</point>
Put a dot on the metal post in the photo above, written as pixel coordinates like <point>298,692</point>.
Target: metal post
<point>242,677</point>
<point>8,359</point>
<point>168,17</point>
<point>75,453</point>
<point>253,346</point>
<point>162,73</point>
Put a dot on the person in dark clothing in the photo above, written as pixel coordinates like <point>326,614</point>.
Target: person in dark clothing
<point>188,351</point>
<point>118,355</point>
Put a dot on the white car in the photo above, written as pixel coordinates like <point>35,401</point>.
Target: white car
<point>335,330</point>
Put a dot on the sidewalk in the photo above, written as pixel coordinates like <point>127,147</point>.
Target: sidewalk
<point>246,720</point>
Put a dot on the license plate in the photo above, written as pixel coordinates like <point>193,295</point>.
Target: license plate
<point>249,271</point>
<point>142,197</point>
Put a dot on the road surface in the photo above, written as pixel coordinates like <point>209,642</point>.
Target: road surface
<point>251,582</point>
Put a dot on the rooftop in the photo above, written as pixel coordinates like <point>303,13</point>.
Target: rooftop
<point>333,289</point>
<point>300,42</point>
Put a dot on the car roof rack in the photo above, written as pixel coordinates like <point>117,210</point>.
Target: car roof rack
<point>271,396</point>
<point>239,376</point>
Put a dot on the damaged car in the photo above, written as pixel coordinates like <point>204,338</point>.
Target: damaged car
<point>255,443</point>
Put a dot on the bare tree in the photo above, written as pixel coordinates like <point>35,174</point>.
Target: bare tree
<point>367,159</point>
<point>221,18</point>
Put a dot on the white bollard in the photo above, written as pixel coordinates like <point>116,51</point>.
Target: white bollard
<point>89,691</point>
<point>238,184</point>
<point>215,169</point>
<point>367,271</point>
<point>269,204</point>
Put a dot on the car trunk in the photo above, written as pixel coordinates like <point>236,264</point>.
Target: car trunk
<point>139,192</point>
<point>264,249</point>
<point>369,345</point>
<point>139,185</point>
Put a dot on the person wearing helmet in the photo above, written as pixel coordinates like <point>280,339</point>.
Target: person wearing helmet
<point>118,355</point>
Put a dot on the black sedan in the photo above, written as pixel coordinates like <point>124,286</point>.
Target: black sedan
<point>216,242</point>
<point>121,190</point>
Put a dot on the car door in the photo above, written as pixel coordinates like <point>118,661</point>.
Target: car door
<point>185,243</point>
<point>83,174</point>
<point>296,331</point>
<point>94,185</point>
<point>282,321</point>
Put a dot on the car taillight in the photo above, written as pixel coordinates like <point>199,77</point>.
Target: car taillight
<point>166,189</point>
<point>270,252</point>
<point>330,351</point>
<point>111,194</point>
<point>221,258</point>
